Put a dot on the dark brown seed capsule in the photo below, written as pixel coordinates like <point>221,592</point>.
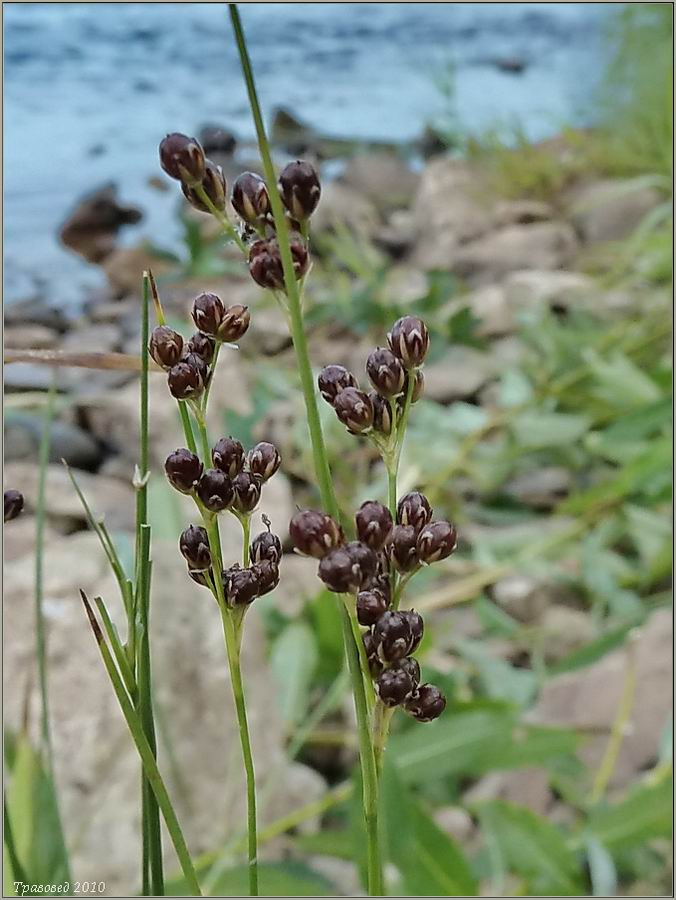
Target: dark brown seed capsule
<point>182,158</point>
<point>354,410</point>
<point>414,509</point>
<point>185,380</point>
<point>264,460</point>
<point>208,312</point>
<point>234,324</point>
<point>386,372</point>
<point>213,184</point>
<point>382,413</point>
<point>409,340</point>
<point>240,586</point>
<point>418,388</point>
<point>197,362</point>
<point>411,665</point>
<point>416,626</point>
<point>228,456</point>
<point>215,490</point>
<point>202,345</point>
<point>13,504</point>
<point>403,548</point>
<point>265,262</point>
<point>348,569</point>
<point>382,582</point>
<point>194,545</point>
<point>371,605</point>
<point>165,346</point>
<point>436,541</point>
<point>395,684</point>
<point>183,470</point>
<point>375,665</point>
<point>392,636</point>
<point>267,575</point>
<point>247,492</point>
<point>426,703</point>
<point>265,545</point>
<point>332,380</point>
<point>250,198</point>
<point>314,533</point>
<point>198,577</point>
<point>299,189</point>
<point>374,524</point>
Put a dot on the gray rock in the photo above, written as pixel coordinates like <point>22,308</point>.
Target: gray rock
<point>92,338</point>
<point>563,630</point>
<point>527,787</point>
<point>521,596</point>
<point>522,212</point>
<point>461,373</point>
<point>383,178</point>
<point>397,235</point>
<point>540,488</point>
<point>124,268</point>
<point>345,206</point>
<point>30,337</point>
<point>34,311</point>
<point>538,288</point>
<point>404,284</point>
<point>611,210</point>
<point>91,228</point>
<point>488,304</point>
<point>23,433</point>
<point>456,822</point>
<point>215,139</point>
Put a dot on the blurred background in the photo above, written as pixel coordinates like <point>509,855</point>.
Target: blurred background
<point>504,171</point>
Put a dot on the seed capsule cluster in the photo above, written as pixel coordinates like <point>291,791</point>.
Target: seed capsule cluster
<point>13,504</point>
<point>189,364</point>
<point>234,483</point>
<point>370,568</point>
<point>389,370</point>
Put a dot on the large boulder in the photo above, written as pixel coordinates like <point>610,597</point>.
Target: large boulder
<point>383,178</point>
<point>92,227</point>
<point>612,209</point>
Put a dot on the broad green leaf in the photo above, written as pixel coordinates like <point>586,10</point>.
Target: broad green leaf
<point>531,846</point>
<point>596,649</point>
<point>620,382</point>
<point>602,871</point>
<point>535,430</point>
<point>293,659</point>
<point>644,814</point>
<point>330,842</point>
<point>284,879</point>
<point>650,532</point>
<point>494,619</point>
<point>326,625</point>
<point>499,680</point>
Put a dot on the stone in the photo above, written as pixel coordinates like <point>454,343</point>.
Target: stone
<point>383,178</point>
<point>588,699</point>
<point>542,245</point>
<point>490,306</point>
<point>611,209</point>
<point>521,596</point>
<point>215,139</point>
<point>23,433</point>
<point>124,268</point>
<point>522,212</point>
<point>456,822</point>
<point>19,536</point>
<point>537,288</point>
<point>30,337</point>
<point>111,498</point>
<point>342,205</point>
<point>540,488</point>
<point>289,132</point>
<point>527,787</point>
<point>562,630</point>
<point>404,284</point>
<point>92,339</point>
<point>92,227</point>
<point>460,374</point>
<point>397,235</point>
<point>35,311</point>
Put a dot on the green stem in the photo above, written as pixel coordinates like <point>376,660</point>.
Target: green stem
<point>187,426</point>
<point>225,223</point>
<point>392,492</point>
<point>204,437</point>
<point>207,390</point>
<point>147,758</point>
<point>320,456</point>
<point>245,522</point>
<point>233,644</point>
<point>381,727</point>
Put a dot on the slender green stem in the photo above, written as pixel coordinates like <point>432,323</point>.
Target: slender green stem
<point>147,757</point>
<point>381,726</point>
<point>187,426</point>
<point>118,650</point>
<point>245,522</point>
<point>233,643</point>
<point>392,492</point>
<point>321,462</point>
<point>204,437</point>
<point>207,390</point>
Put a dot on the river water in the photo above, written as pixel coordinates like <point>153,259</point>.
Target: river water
<point>90,88</point>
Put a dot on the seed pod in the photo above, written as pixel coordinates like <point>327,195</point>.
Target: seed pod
<point>183,470</point>
<point>375,665</point>
<point>411,665</point>
<point>250,198</point>
<point>332,380</point>
<point>197,362</point>
<point>382,582</point>
<point>426,703</point>
<point>208,312</point>
<point>354,410</point>
<point>228,456</point>
<point>194,545</point>
<point>264,460</point>
<point>382,413</point>
<point>202,345</point>
<point>267,575</point>
<point>416,626</point>
<point>436,541</point>
<point>265,262</point>
<point>348,569</point>
<point>165,346</point>
<point>215,490</point>
<point>185,380</point>
<point>198,577</point>
<point>386,372</point>
<point>414,509</point>
<point>374,524</point>
<point>265,545</point>
<point>240,586</point>
<point>182,158</point>
<point>13,504</point>
<point>314,533</point>
<point>409,339</point>
<point>418,388</point>
<point>213,184</point>
<point>395,684</point>
<point>403,548</point>
<point>371,605</point>
<point>299,189</point>
<point>235,323</point>
<point>392,636</point>
<point>247,492</point>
